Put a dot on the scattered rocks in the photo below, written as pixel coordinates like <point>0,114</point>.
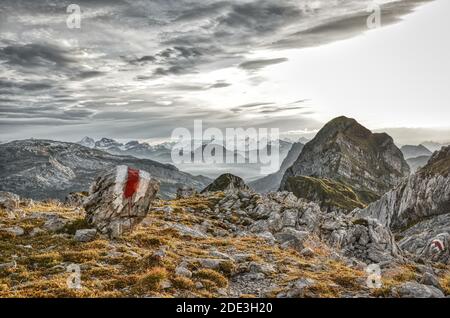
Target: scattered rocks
<point>262,268</point>
<point>9,201</point>
<point>183,271</point>
<point>199,285</point>
<point>76,199</point>
<point>36,231</point>
<point>166,284</point>
<point>297,289</point>
<point>120,199</point>
<point>86,235</point>
<point>307,252</point>
<point>14,230</point>
<point>430,280</point>
<point>417,290</point>
<point>159,254</point>
<point>363,238</point>
<point>282,217</point>
<point>55,224</point>
<point>212,263</point>
<point>8,265</point>
<point>186,192</point>
<point>291,238</point>
<point>187,231</point>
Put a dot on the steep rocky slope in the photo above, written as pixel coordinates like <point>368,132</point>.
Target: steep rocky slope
<point>423,195</point>
<point>272,182</point>
<point>42,169</point>
<point>345,151</point>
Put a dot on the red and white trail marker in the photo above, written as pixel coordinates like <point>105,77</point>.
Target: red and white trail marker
<point>437,246</point>
<point>131,184</point>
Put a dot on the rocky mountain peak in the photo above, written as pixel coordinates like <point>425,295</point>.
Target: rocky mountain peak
<point>346,151</point>
<point>87,142</point>
<point>107,142</point>
<point>226,182</point>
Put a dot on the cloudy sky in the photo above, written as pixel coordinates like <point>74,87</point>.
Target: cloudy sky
<point>139,69</point>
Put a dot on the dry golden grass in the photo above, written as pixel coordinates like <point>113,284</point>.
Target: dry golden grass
<point>152,279</point>
<point>445,283</point>
<point>183,283</point>
<point>212,276</point>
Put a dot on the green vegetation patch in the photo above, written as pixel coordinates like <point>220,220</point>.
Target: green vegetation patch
<point>330,193</point>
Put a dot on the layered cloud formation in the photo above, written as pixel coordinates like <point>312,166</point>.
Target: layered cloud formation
<point>137,69</point>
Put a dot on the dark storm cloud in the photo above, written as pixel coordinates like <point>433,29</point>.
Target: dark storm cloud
<point>35,55</point>
<point>202,11</point>
<point>89,74</point>
<point>44,112</point>
<point>10,86</point>
<point>258,17</point>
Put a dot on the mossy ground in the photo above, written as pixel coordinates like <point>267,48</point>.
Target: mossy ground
<point>132,266</point>
<point>331,193</point>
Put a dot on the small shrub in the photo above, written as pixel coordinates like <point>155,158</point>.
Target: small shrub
<point>73,226</point>
<point>45,260</point>
<point>183,283</point>
<point>81,256</point>
<point>213,276</point>
<point>445,283</point>
<point>227,268</point>
<point>153,278</point>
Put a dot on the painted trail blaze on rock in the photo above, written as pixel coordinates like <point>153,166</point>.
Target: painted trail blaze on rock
<point>120,199</point>
<point>437,246</point>
<point>132,183</point>
<point>437,249</point>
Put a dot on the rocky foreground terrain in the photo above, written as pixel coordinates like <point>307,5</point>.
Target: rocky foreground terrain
<point>229,243</point>
<point>200,247</point>
<point>349,220</point>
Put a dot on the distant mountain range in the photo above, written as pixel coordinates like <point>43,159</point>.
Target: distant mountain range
<point>417,162</point>
<point>163,153</point>
<point>160,152</point>
<point>272,181</point>
<point>434,146</point>
<point>42,169</point>
<point>410,151</point>
<point>355,163</point>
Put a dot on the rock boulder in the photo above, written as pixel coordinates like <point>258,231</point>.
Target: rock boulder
<point>120,199</point>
